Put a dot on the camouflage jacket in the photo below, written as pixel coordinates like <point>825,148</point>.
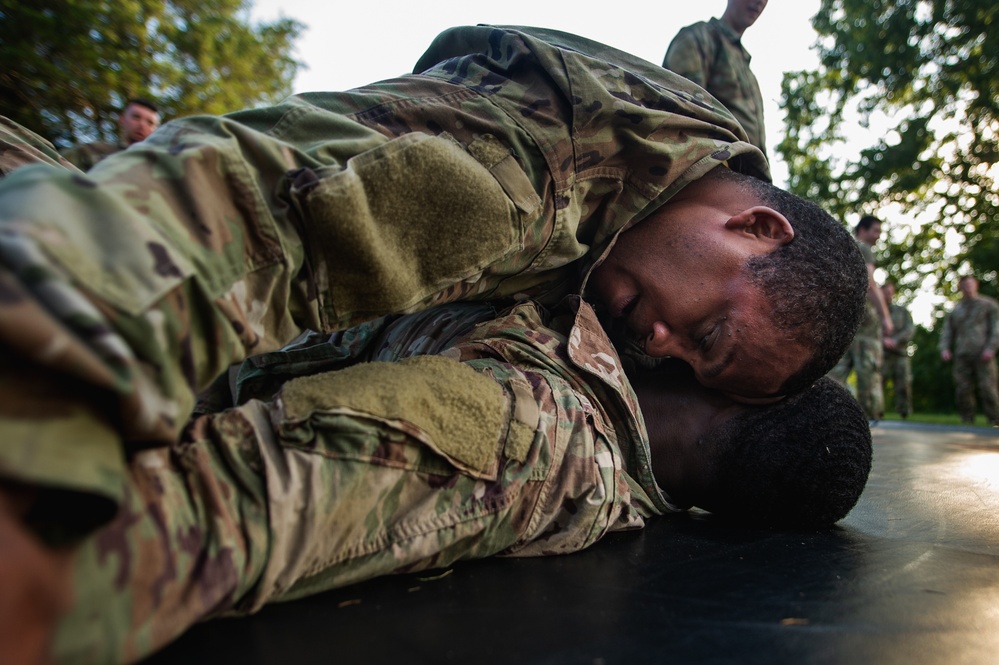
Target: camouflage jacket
<point>86,155</point>
<point>972,327</point>
<point>527,336</point>
<point>710,54</point>
<point>505,167</point>
<point>903,327</point>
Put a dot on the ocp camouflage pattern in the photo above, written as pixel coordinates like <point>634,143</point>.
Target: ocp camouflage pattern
<point>504,168</point>
<point>316,488</point>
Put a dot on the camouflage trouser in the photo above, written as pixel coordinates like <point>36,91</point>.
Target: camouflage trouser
<point>313,490</point>
<point>897,368</point>
<point>971,373</point>
<point>864,357</point>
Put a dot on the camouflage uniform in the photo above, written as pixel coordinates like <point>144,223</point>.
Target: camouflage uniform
<point>897,366</point>
<point>85,156</point>
<point>20,146</point>
<point>533,444</point>
<point>865,355</point>
<point>711,54</point>
<point>971,328</point>
<point>505,168</point>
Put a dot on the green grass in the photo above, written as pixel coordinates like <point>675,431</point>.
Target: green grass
<point>937,418</point>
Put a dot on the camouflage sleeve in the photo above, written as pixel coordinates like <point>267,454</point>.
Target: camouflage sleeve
<point>19,146</point>
<point>386,339</point>
<point>947,333</point>
<point>87,155</point>
<point>344,476</point>
<point>690,55</point>
<point>153,273</point>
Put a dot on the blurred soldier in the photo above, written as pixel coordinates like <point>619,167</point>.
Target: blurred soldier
<point>969,338</point>
<point>897,367</point>
<point>710,53</point>
<point>865,355</point>
<point>139,119</point>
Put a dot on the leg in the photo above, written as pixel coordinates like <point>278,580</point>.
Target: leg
<point>841,372</point>
<point>279,500</point>
<point>988,389</point>
<point>903,386</point>
<point>964,387</point>
<point>869,377</point>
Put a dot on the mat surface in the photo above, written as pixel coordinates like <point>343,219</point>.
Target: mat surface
<point>910,576</point>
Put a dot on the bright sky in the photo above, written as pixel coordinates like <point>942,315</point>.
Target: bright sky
<point>346,45</point>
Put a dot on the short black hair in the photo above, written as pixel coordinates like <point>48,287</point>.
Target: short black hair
<point>800,463</point>
<point>141,101</point>
<point>866,222</point>
<point>816,284</point>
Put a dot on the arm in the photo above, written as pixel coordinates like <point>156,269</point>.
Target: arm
<point>946,338</point>
<point>992,325</point>
<point>878,298</point>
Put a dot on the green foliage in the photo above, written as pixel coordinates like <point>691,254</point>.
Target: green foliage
<point>931,67</point>
<point>69,65</point>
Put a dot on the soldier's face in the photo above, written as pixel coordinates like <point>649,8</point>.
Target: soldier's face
<point>137,122</point>
<point>678,281</point>
<point>745,12</point>
<point>968,287</point>
<point>871,234</point>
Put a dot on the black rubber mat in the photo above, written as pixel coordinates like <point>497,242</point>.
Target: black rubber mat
<point>910,576</point>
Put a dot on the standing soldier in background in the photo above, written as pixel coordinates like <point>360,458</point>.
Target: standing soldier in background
<point>969,339</point>
<point>137,121</point>
<point>897,367</point>
<point>710,53</point>
<point>865,355</point>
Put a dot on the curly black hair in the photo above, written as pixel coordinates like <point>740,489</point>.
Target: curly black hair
<point>800,463</point>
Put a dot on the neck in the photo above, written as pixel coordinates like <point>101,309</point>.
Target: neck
<point>731,22</point>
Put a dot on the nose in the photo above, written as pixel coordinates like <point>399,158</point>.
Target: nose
<point>662,343</point>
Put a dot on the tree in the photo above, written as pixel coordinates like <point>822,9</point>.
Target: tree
<point>71,64</point>
<point>929,69</point>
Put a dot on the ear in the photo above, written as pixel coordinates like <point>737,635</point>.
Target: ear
<point>763,223</point>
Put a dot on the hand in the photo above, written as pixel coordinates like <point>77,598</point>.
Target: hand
<point>34,590</point>
<point>988,355</point>
<point>890,344</point>
<point>946,356</point>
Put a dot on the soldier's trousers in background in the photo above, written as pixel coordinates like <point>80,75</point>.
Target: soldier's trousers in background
<point>971,374</point>
<point>864,357</point>
<point>897,368</point>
